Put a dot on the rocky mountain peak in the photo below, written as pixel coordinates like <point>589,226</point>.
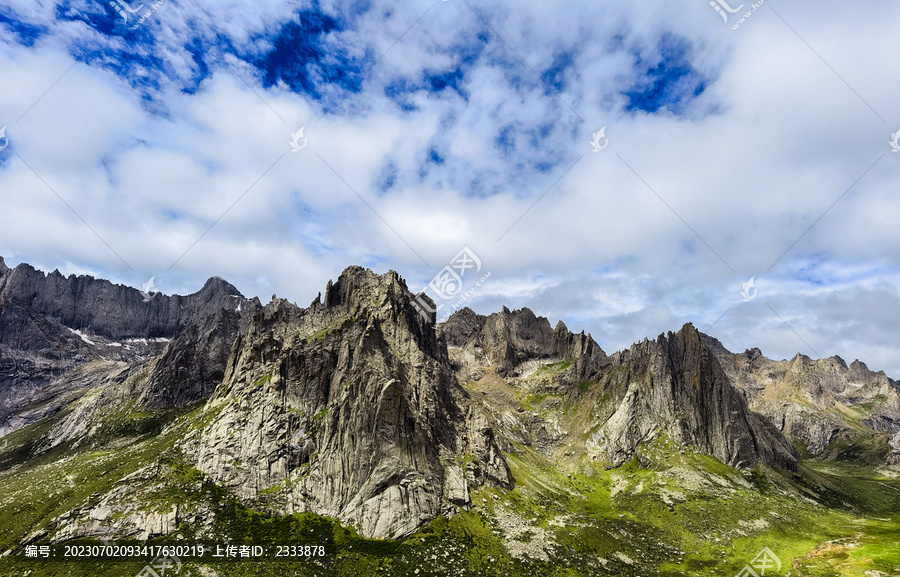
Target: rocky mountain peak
<point>674,386</point>
<point>218,286</point>
<point>356,394</point>
<point>358,287</point>
<point>507,339</point>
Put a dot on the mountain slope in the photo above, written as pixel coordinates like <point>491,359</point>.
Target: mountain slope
<point>817,402</point>
<point>488,445</point>
<point>673,387</point>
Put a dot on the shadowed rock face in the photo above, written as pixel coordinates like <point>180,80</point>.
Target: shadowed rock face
<point>40,314</point>
<point>193,363</point>
<point>110,310</point>
<point>354,401</point>
<point>676,387</point>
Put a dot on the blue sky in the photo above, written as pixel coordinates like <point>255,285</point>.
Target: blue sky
<point>755,148</point>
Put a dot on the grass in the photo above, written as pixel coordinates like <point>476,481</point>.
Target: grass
<point>668,511</point>
<point>553,368</point>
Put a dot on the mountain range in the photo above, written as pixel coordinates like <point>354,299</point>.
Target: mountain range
<point>518,447</point>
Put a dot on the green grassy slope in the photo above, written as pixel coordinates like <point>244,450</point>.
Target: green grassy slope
<point>668,512</point>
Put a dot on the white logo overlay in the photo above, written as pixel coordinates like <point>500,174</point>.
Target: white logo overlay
<point>448,283</point>
<point>298,141</point>
<point>764,560</point>
<point>724,7</point>
<point>301,442</point>
<point>5,140</point>
<point>895,141</point>
<point>749,290</point>
<point>121,6</point>
<point>147,291</point>
<point>598,136</point>
<point>124,9</point>
<point>161,566</point>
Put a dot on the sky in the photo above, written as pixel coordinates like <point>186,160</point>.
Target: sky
<point>625,167</point>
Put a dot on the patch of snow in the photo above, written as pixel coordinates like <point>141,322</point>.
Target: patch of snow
<point>83,337</point>
<point>115,344</point>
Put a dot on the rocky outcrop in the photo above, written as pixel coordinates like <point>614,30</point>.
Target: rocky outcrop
<point>349,409</point>
<point>506,340</point>
<point>35,353</point>
<point>814,401</point>
<point>674,386</point>
<point>193,363</point>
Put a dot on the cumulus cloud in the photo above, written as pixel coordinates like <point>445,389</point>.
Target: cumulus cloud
<point>433,126</point>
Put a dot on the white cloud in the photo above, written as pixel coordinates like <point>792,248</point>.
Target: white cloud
<point>750,165</point>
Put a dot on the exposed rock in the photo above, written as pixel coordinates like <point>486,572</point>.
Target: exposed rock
<point>51,325</point>
<point>814,400</point>
<point>193,363</point>
<point>110,310</point>
<point>506,340</point>
<point>352,407</point>
<point>674,386</point>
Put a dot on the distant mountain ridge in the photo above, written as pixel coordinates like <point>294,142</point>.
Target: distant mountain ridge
<point>814,401</point>
<point>110,310</point>
<point>45,320</point>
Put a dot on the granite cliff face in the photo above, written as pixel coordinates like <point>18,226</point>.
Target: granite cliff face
<point>676,387</point>
<point>506,340</point>
<point>109,310</point>
<point>349,409</point>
